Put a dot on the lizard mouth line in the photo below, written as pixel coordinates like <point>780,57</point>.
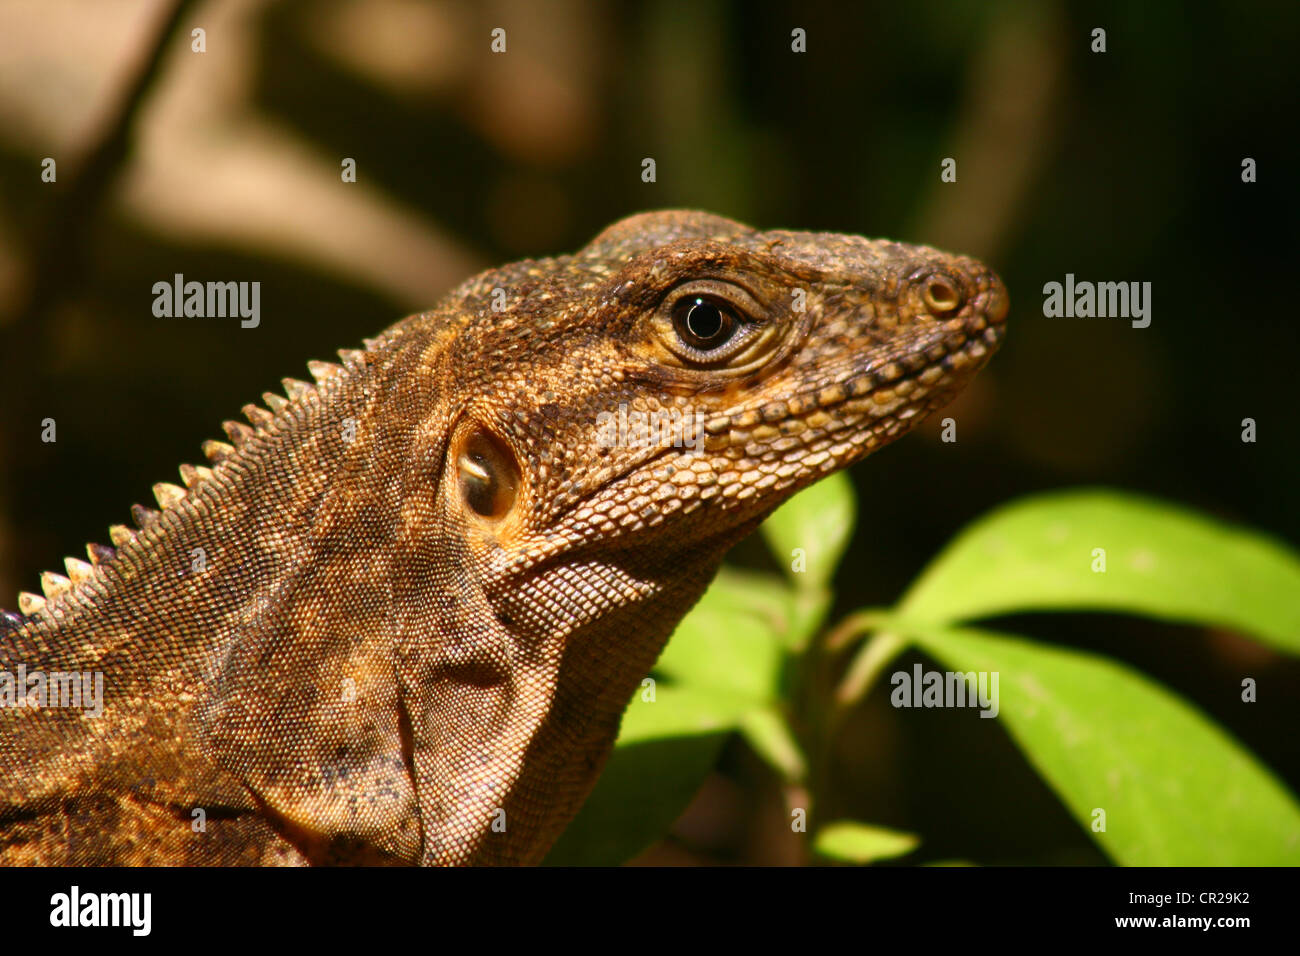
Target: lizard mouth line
<point>890,387</point>
<point>899,389</point>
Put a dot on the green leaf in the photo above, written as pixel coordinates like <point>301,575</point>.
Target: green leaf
<point>852,842</point>
<point>765,729</point>
<point>818,522</point>
<point>808,612</point>
<point>731,640</point>
<point>731,646</point>
<point>680,712</point>
<point>1161,561</point>
<point>1176,788</point>
<point>665,750</point>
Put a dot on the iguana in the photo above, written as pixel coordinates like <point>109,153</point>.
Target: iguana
<point>412,600</point>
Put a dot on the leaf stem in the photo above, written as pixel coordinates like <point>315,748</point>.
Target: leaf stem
<point>866,667</point>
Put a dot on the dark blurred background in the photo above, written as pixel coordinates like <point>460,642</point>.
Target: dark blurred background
<point>1122,166</point>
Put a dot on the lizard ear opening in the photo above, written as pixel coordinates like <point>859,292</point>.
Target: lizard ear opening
<point>487,475</point>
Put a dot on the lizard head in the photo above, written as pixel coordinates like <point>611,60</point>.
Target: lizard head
<point>679,377</point>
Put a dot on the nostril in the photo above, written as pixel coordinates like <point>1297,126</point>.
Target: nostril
<point>942,297</point>
<point>999,302</point>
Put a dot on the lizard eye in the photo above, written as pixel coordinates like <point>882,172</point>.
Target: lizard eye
<point>706,327</point>
<point>714,326</point>
<point>703,323</point>
<point>488,475</point>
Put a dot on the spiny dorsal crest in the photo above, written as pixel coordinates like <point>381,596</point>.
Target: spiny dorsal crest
<point>58,589</point>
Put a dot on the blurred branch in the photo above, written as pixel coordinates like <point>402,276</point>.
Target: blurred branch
<point>59,266</point>
<point>1005,131</point>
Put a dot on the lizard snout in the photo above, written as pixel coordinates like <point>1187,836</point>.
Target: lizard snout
<point>997,301</point>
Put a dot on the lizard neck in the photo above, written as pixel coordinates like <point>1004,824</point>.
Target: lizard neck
<point>207,604</point>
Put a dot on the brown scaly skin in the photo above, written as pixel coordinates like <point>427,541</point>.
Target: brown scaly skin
<point>427,588</point>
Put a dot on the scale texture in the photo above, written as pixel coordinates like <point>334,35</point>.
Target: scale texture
<point>397,618</point>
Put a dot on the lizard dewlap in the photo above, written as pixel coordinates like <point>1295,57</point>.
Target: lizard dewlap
<point>397,618</point>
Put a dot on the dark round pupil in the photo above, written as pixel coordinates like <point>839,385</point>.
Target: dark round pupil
<point>704,319</point>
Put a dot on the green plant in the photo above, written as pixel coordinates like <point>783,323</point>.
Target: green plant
<point>1176,787</point>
